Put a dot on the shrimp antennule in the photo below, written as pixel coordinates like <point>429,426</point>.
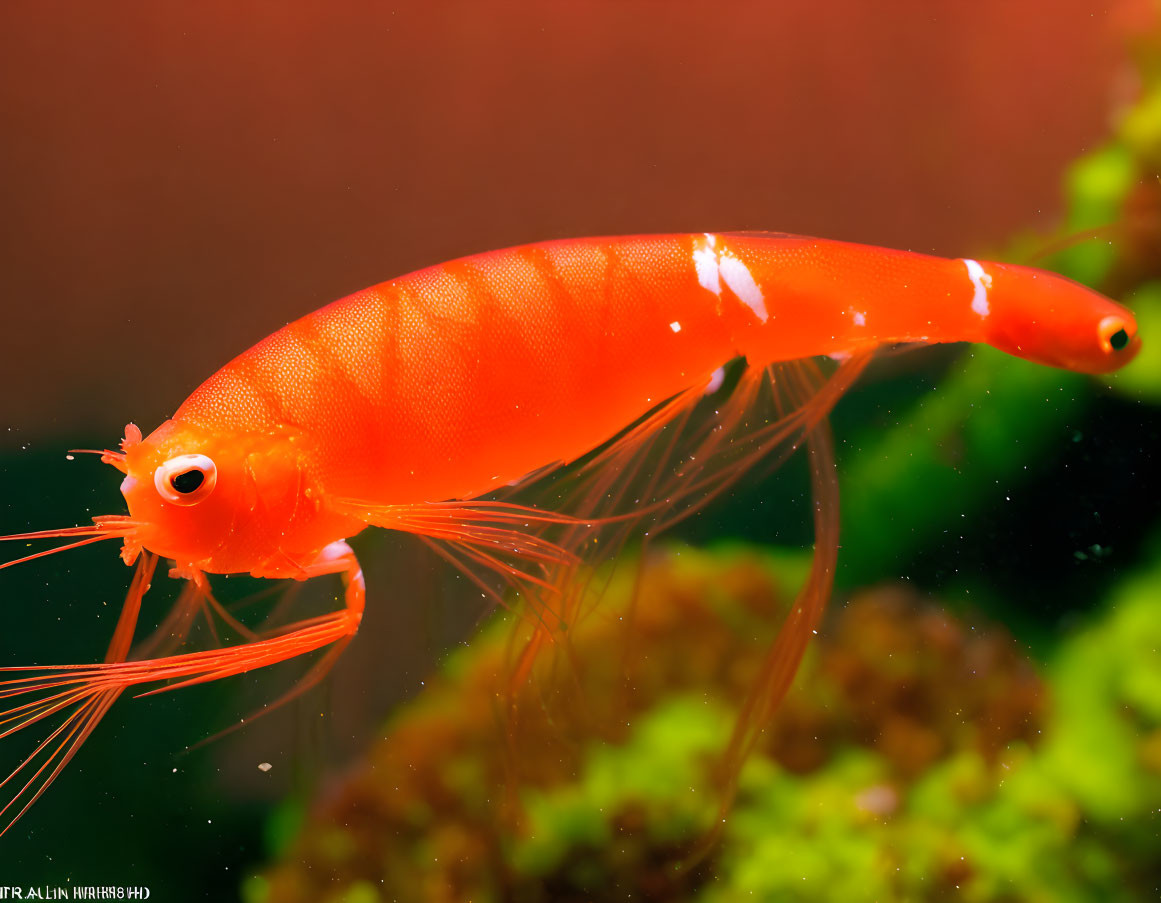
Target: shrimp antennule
<point>111,526</point>
<point>108,456</point>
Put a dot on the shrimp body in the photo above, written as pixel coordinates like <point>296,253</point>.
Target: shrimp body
<point>403,404</point>
<point>463,377</point>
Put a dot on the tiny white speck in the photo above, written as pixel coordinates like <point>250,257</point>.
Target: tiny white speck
<point>860,318</point>
<point>675,326</point>
<point>264,766</point>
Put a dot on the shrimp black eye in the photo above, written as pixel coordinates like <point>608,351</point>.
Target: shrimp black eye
<point>186,479</point>
<point>1115,334</point>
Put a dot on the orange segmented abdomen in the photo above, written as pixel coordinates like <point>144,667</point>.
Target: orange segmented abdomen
<point>465,376</point>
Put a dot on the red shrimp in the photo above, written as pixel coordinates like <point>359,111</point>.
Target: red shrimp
<point>414,404</point>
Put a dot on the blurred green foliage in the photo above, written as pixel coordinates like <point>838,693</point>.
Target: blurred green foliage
<point>990,416</point>
<point>1142,378</point>
<point>917,759</point>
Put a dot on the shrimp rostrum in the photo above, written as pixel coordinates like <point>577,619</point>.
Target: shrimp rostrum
<point>429,403</point>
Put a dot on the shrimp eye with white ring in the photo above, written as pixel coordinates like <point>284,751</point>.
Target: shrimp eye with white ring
<point>1113,334</point>
<point>185,479</point>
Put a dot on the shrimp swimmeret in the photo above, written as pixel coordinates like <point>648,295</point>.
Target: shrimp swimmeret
<point>428,403</point>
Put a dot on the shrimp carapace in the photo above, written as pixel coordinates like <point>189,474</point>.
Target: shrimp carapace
<point>426,404</point>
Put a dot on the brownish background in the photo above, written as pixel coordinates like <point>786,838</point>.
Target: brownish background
<point>178,179</point>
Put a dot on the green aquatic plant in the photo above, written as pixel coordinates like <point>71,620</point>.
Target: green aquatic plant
<point>918,758</point>
<point>991,415</point>
<point>893,690</point>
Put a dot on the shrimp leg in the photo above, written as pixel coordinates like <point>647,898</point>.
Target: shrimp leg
<point>88,681</point>
<point>84,710</point>
<point>304,636</point>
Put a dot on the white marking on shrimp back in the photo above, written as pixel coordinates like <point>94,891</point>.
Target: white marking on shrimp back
<point>675,326</point>
<point>741,282</point>
<point>705,261</point>
<point>714,266</point>
<point>981,282</point>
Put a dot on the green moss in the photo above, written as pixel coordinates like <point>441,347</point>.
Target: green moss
<point>990,812</point>
<point>1108,689</point>
<point>658,773</point>
<point>806,839</point>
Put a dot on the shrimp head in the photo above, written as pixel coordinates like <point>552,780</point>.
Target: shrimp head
<point>224,502</point>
